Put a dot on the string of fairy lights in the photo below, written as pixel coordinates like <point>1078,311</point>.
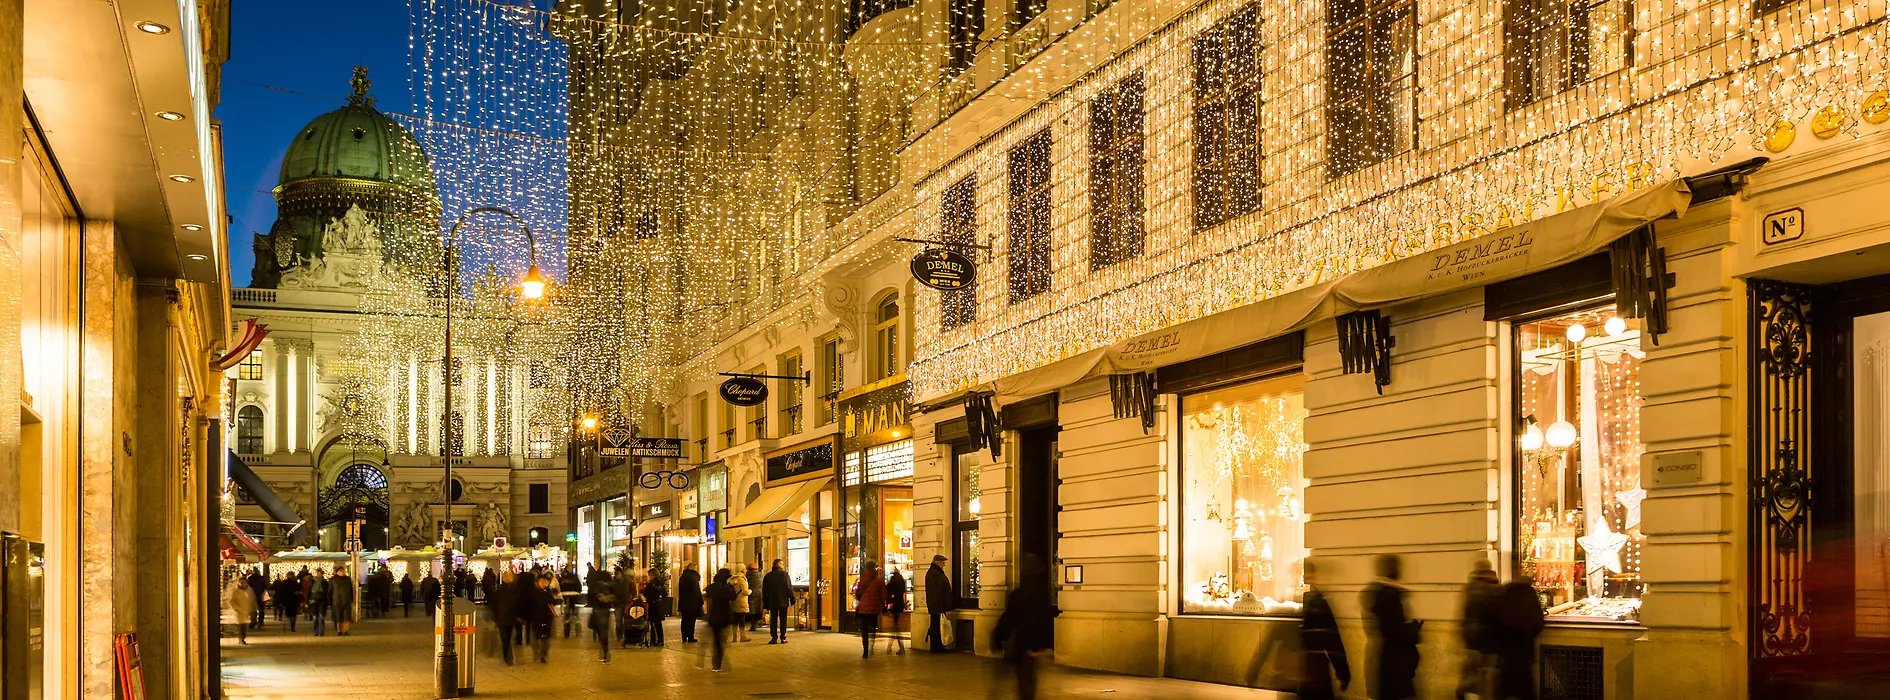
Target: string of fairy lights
<point>715,156</point>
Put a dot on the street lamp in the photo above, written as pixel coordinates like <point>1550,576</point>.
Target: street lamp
<point>446,664</point>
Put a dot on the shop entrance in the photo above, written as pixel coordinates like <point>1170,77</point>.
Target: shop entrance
<point>1037,502</point>
<point>360,485</point>
<point>1820,492</point>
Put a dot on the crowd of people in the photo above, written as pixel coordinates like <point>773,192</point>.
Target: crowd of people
<point>625,608</point>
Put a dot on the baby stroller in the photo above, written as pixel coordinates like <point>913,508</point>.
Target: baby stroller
<point>636,624</point>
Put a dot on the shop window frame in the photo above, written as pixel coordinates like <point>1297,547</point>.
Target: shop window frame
<point>960,526</point>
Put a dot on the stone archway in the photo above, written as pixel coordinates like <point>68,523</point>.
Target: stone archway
<point>360,485</point>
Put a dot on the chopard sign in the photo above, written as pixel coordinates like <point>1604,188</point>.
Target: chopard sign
<point>1470,260</point>
<point>744,391</point>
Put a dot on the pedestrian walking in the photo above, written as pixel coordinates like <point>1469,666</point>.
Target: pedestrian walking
<point>777,595</point>
<point>318,603</point>
<point>570,590</point>
<point>756,603</point>
<point>1512,621</point>
<point>430,592</point>
<point>505,606</point>
<point>738,630</point>
<point>602,601</point>
<point>895,607</point>
<point>939,599</point>
<point>289,599</point>
<point>257,584</point>
<point>543,606</point>
<point>488,585</point>
<point>721,597</point>
<point>308,584</point>
<point>341,594</point>
<point>689,601</point>
<point>1396,677</point>
<point>1478,592</point>
<point>656,605</point>
<point>1320,643</point>
<point>869,594</point>
<point>384,585</point>
<point>406,595</point>
<point>241,600</point>
<point>1023,629</point>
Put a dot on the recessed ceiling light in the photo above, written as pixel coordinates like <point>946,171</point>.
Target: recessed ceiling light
<point>182,178</point>
<point>153,28</point>
<point>192,227</point>
<point>197,256</point>
<point>170,116</point>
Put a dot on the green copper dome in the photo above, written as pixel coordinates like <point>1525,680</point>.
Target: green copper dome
<point>357,142</point>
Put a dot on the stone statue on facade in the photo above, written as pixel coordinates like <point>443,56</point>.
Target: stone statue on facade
<point>351,255</point>
<point>416,525</point>
<point>492,523</point>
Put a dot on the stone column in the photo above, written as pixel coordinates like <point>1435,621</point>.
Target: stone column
<point>305,401</point>
<point>157,521</point>
<point>281,392</point>
<point>106,498</point>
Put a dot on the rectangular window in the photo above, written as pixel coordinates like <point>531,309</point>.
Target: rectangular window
<point>790,393</point>
<point>1578,464</point>
<point>540,498</point>
<point>1766,7</point>
<point>1554,45</point>
<point>251,367</point>
<point>831,378</point>
<point>540,441</point>
<point>969,495</point>
<point>1227,120</point>
<point>958,223</point>
<point>1115,174</point>
<point>1028,10</point>
<point>1243,486</point>
<point>967,24</point>
<point>1030,217</point>
<point>1371,82</point>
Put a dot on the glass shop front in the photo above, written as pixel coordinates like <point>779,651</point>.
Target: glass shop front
<point>875,509</point>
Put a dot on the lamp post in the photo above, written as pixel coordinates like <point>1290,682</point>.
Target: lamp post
<point>446,664</point>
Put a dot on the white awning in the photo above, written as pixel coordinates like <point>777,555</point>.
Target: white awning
<point>1506,254</point>
<point>771,511</point>
<point>649,527</point>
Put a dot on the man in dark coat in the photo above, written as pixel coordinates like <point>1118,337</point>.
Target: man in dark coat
<point>430,591</point>
<point>1397,635</point>
<point>539,601</point>
<point>1024,629</point>
<point>939,599</point>
<point>1319,641</point>
<point>341,592</point>
<point>488,586</point>
<point>289,599</point>
<point>777,595</point>
<point>656,606</point>
<point>406,595</point>
<point>689,601</point>
<point>721,599</point>
<point>755,599</point>
<point>1511,622</point>
<point>257,583</point>
<point>505,606</point>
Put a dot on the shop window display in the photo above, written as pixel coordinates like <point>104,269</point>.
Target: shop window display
<point>1243,531</point>
<point>1578,471</point>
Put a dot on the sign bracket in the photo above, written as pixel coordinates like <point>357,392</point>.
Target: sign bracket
<point>948,244</point>
<point>805,377</point>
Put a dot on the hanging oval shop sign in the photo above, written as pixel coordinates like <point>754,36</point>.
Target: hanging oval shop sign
<point>943,269</point>
<point>744,391</point>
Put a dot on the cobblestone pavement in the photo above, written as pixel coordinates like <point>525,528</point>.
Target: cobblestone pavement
<point>393,658</point>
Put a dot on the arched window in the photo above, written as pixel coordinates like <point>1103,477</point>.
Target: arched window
<point>249,430</point>
<point>886,338</point>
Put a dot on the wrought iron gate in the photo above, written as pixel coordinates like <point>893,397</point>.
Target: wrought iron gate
<point>1784,351</point>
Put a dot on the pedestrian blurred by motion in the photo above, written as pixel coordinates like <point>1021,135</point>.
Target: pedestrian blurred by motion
<point>869,594</point>
<point>756,601</point>
<point>385,581</point>
<point>689,601</point>
<point>406,594</point>
<point>656,605</point>
<point>777,595</point>
<point>570,590</point>
<point>738,630</point>
<point>341,592</point>
<point>542,608</point>
<point>1512,621</point>
<point>721,596</point>
<point>257,584</point>
<point>1023,630</point>
<point>1397,642</point>
<point>602,602</point>
<point>241,600</point>
<point>939,599</point>
<point>318,602</point>
<point>895,607</point>
<point>1320,643</point>
<point>308,584</point>
<point>488,585</point>
<point>506,609</point>
<point>430,591</point>
<point>289,599</point>
<point>1478,593</point>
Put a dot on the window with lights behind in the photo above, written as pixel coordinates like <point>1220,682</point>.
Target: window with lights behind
<point>1243,525</point>
<point>1578,400</point>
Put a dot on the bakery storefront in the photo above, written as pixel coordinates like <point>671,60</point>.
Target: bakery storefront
<point>875,511</point>
<point>792,519</point>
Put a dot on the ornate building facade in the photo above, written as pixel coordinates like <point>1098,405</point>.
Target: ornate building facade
<point>328,425</point>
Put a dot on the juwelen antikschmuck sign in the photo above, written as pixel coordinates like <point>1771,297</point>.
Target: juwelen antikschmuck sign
<point>744,391</point>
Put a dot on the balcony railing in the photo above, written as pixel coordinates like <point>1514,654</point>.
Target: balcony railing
<point>828,406</point>
<point>702,450</point>
<point>728,438</point>
<point>791,420</point>
<point>758,428</point>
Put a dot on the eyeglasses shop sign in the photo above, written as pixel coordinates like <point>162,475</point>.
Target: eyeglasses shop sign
<point>744,391</point>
